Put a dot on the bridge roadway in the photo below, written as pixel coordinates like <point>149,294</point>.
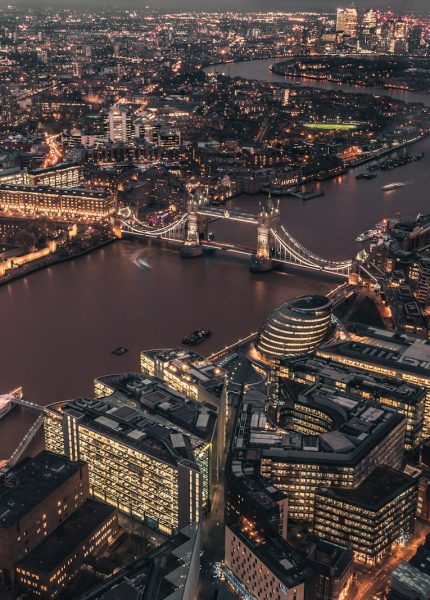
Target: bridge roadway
<point>232,214</point>
<point>281,246</point>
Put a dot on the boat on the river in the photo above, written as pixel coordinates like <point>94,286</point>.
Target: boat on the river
<point>366,235</point>
<point>198,336</point>
<point>368,175</point>
<point>393,186</point>
<point>119,351</point>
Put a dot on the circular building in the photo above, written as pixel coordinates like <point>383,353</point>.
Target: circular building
<point>297,327</point>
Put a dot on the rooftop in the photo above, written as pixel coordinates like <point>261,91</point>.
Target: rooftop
<point>358,425</point>
<point>56,191</point>
<point>27,485</point>
<point>275,552</point>
<point>380,487</point>
<point>396,351</point>
<point>67,537</point>
<point>146,414</point>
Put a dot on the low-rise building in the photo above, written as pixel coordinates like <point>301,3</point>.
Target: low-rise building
<point>77,204</point>
<point>262,565</point>
<point>47,570</point>
<point>36,496</point>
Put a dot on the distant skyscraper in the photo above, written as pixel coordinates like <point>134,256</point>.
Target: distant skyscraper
<point>347,21</point>
<point>414,39</point>
<point>370,19</point>
<point>119,124</point>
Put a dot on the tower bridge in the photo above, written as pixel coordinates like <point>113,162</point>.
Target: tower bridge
<point>275,245</point>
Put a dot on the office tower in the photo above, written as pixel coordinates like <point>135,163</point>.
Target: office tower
<point>149,449</point>
<point>370,19</point>
<point>372,518</point>
<point>414,39</point>
<point>423,288</point>
<point>347,21</point>
<point>119,124</point>
<point>394,356</point>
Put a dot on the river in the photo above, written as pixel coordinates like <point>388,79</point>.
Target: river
<point>260,69</point>
<point>59,325</point>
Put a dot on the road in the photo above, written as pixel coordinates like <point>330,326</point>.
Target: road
<point>55,153</point>
<point>374,585</point>
<point>240,372</point>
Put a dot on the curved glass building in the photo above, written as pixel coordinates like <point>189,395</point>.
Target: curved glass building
<point>297,327</point>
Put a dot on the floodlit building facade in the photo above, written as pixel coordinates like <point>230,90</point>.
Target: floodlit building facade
<point>149,450</point>
<point>370,519</point>
<point>77,204</point>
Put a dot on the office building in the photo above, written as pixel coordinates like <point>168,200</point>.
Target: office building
<point>61,175</point>
<point>332,440</point>
<point>384,353</point>
<point>149,449</point>
<point>262,565</point>
<point>119,124</point>
<point>197,378</point>
<point>347,21</point>
<point>169,138</point>
<point>77,204</point>
<point>423,288</point>
<point>47,570</point>
<point>372,518</point>
<point>332,567</point>
<point>405,398</point>
<point>36,496</point>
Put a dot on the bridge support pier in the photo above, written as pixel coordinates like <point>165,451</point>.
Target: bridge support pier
<point>192,247</point>
<point>261,261</point>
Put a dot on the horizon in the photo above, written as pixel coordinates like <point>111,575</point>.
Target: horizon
<point>180,6</point>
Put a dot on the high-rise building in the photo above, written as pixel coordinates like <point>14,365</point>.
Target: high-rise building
<point>392,355</point>
<point>372,518</point>
<point>149,449</point>
<point>414,39</point>
<point>370,19</point>
<point>423,289</point>
<point>347,21</point>
<point>321,443</point>
<point>119,124</point>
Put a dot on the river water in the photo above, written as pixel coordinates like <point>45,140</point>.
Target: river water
<point>59,325</point>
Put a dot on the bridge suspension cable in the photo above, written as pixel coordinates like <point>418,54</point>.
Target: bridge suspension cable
<point>300,255</point>
<point>143,229</point>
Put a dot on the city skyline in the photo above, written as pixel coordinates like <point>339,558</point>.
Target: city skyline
<point>404,6</point>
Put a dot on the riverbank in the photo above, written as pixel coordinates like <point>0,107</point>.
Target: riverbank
<point>279,69</point>
<point>259,70</point>
<point>51,259</point>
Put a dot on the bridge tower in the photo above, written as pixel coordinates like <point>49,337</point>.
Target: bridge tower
<point>268,219</point>
<point>192,246</point>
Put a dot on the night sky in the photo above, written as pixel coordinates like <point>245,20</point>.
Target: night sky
<point>219,5</point>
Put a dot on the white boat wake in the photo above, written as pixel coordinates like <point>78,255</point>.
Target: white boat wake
<point>141,261</point>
